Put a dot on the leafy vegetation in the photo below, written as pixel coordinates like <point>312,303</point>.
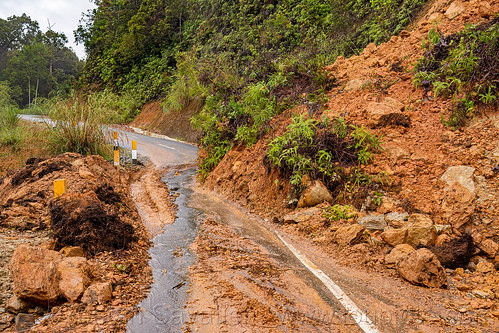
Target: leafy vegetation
<point>339,212</point>
<point>34,64</point>
<point>310,148</point>
<point>248,59</point>
<point>464,67</point>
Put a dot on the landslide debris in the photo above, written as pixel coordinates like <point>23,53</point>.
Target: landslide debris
<point>95,218</point>
<point>82,220</point>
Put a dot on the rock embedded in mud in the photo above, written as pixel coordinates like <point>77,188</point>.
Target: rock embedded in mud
<point>461,174</point>
<point>422,267</point>
<point>315,194</point>
<point>489,247</point>
<point>6,320</point>
<point>373,222</point>
<point>34,273</point>
<point>484,267</point>
<point>377,111</point>
<point>302,215</point>
<point>74,275</point>
<point>396,219</point>
<point>15,305</point>
<point>394,237</point>
<point>349,235</point>
<point>83,220</point>
<point>458,205</point>
<point>72,251</point>
<point>98,293</point>
<point>421,231</point>
<point>397,253</point>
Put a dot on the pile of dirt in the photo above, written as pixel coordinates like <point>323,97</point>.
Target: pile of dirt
<point>98,214</point>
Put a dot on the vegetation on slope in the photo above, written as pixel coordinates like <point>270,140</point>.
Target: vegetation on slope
<point>249,59</point>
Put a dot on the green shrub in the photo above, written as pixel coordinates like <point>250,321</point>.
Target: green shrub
<point>79,126</point>
<point>464,67</point>
<point>322,150</point>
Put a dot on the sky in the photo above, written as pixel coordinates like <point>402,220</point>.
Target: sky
<point>63,15</point>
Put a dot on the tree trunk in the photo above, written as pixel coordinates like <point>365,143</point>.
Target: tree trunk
<point>36,90</point>
<point>29,92</point>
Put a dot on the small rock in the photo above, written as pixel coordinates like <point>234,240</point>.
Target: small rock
<point>373,222</point>
<point>315,194</point>
<point>98,293</point>
<point>455,9</point>
<point>376,111</point>
<point>489,247</point>
<point>6,320</point>
<point>24,322</point>
<point>463,287</point>
<point>302,215</point>
<point>349,235</point>
<point>396,220</point>
<point>74,277</point>
<point>397,253</point>
<point>421,231</point>
<point>441,239</point>
<point>484,267</point>
<point>483,294</point>
<point>458,205</point>
<point>422,267</point>
<point>16,305</point>
<point>72,251</point>
<point>394,237</point>
<point>356,84</point>
<point>461,174</point>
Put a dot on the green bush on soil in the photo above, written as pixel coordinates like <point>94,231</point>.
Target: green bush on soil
<point>331,150</point>
<point>464,67</point>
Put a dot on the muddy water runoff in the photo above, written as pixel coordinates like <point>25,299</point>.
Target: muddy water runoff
<point>163,310</point>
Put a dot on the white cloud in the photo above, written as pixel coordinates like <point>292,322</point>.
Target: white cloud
<point>64,15</point>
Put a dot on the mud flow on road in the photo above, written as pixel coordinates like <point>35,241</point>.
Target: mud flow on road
<point>163,309</point>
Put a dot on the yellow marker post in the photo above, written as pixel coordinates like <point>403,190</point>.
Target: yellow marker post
<point>59,187</point>
<point>134,152</point>
<point>117,158</point>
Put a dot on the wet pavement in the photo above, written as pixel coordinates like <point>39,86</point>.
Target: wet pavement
<point>163,310</point>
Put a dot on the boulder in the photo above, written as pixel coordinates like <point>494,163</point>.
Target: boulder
<point>458,205</point>
<point>421,231</point>
<point>397,253</point>
<point>489,247</point>
<point>373,222</point>
<point>421,267</point>
<point>72,251</point>
<point>15,305</point>
<point>74,275</point>
<point>315,194</point>
<point>455,9</point>
<point>98,293</point>
<point>302,215</point>
<point>394,237</point>
<point>349,235</point>
<point>34,273</point>
<point>461,174</point>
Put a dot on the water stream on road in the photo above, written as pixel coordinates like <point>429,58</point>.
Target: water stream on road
<point>163,310</point>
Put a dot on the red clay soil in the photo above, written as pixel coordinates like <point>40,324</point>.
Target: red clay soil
<point>175,124</point>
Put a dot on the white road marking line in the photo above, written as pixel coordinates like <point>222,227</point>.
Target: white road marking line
<point>360,318</point>
<point>162,145</point>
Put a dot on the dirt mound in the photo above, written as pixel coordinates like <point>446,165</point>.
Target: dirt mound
<point>83,220</point>
<point>26,193</point>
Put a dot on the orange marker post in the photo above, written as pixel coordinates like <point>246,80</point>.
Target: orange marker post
<point>59,187</point>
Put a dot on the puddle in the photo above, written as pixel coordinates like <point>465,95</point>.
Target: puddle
<point>163,309</point>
